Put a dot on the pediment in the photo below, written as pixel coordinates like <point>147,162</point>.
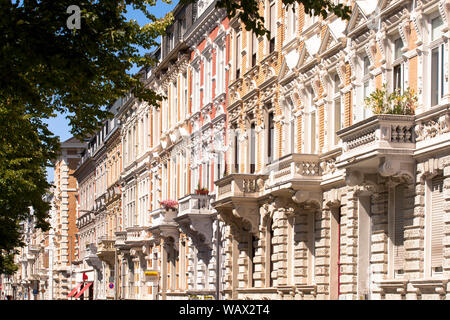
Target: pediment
<point>332,35</point>
<point>288,65</point>
<point>309,50</point>
<point>361,10</point>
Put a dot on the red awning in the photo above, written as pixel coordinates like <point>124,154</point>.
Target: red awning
<point>87,285</point>
<point>74,290</point>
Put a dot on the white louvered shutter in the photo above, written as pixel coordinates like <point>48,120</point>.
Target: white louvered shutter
<point>399,250</point>
<point>437,222</point>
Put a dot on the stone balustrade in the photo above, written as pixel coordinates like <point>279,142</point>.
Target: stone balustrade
<point>294,169</point>
<point>121,237</point>
<point>136,235</point>
<point>376,137</point>
<point>240,185</point>
<point>194,203</point>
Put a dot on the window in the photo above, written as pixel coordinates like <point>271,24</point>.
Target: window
<point>174,103</point>
<point>310,19</point>
<point>184,98</point>
<point>337,107</point>
<point>196,90</point>
<point>361,112</point>
<point>398,66</point>
<point>437,61</point>
<point>291,22</point>
<point>270,137</point>
<point>238,56</point>
<point>220,63</point>
<point>236,151</point>
<point>254,48</point>
<point>207,81</point>
<point>434,227</point>
<point>272,27</point>
<point>313,131</point>
<point>252,148</point>
<point>289,128</point>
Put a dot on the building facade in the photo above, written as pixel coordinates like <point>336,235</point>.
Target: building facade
<point>263,174</point>
<point>64,245</point>
<point>326,200</point>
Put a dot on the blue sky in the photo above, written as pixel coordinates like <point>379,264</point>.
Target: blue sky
<point>60,125</point>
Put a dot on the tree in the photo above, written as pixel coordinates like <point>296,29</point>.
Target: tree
<point>48,65</point>
<point>248,11</point>
<point>47,68</point>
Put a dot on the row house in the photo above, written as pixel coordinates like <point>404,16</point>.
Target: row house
<point>98,211</point>
<point>262,174</point>
<point>167,249</point>
<point>134,180</point>
<point>208,39</point>
<point>324,199</point>
<point>64,243</point>
<point>32,281</point>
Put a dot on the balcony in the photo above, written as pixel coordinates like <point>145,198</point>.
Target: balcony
<point>121,238</point>
<point>381,144</point>
<point>195,217</point>
<point>91,257</point>
<point>236,199</point>
<point>34,249</point>
<point>136,236</point>
<point>163,223</point>
<point>106,249</point>
<point>239,185</point>
<point>295,172</point>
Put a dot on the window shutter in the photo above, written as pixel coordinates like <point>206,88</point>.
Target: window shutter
<point>399,250</point>
<point>437,222</point>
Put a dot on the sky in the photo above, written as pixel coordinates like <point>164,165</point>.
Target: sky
<point>60,125</point>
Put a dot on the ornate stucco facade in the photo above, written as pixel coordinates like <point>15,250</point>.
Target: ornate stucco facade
<point>325,200</point>
<point>283,184</point>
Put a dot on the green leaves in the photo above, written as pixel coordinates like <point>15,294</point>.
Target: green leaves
<point>396,102</point>
<point>248,11</point>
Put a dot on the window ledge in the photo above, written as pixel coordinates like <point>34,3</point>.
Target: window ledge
<point>439,285</point>
<point>398,285</point>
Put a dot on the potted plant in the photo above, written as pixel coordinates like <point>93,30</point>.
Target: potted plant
<point>380,102</point>
<point>200,190</point>
<point>169,204</point>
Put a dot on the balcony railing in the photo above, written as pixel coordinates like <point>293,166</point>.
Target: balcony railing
<point>121,237</point>
<point>33,248</point>
<point>380,135</point>
<point>294,168</point>
<point>106,249</point>
<point>136,235</point>
<point>194,217</point>
<point>194,203</point>
<point>105,244</point>
<point>240,185</point>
